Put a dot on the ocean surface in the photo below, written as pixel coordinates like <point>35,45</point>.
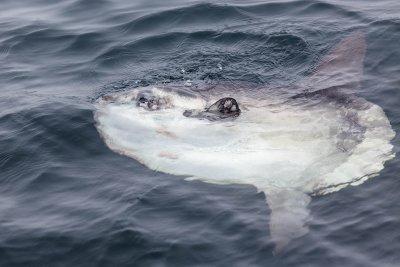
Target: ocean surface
<point>66,199</point>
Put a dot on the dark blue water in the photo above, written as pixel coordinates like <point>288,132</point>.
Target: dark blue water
<point>67,200</point>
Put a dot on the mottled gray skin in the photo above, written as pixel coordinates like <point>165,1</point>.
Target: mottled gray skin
<point>224,108</point>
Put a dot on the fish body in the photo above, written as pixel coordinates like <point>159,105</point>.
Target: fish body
<point>290,147</point>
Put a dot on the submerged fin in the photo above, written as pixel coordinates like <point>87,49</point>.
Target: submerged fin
<point>341,68</point>
<point>289,215</point>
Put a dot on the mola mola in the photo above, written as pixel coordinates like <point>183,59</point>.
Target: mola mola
<point>291,146</point>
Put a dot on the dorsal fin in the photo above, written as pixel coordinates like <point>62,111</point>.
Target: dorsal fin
<point>341,68</point>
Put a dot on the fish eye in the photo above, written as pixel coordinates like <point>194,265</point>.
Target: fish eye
<point>142,100</point>
<point>228,103</point>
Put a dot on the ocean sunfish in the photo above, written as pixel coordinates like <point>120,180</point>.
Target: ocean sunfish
<point>291,147</point>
